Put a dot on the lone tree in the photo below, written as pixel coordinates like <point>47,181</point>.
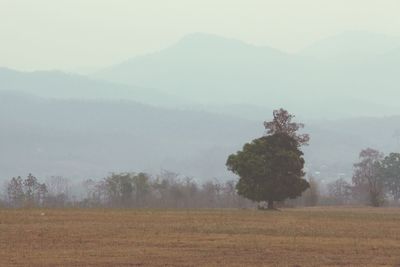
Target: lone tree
<point>271,167</point>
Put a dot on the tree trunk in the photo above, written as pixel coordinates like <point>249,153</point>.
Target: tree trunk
<point>270,204</point>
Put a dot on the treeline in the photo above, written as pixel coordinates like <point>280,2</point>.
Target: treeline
<point>375,182</point>
<point>131,190</point>
<point>122,190</point>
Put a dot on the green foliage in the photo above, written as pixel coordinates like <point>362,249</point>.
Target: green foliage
<point>270,169</point>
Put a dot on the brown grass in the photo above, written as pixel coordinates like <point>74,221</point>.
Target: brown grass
<point>293,237</point>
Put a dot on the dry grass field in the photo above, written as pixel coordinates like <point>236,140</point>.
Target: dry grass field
<point>292,237</point>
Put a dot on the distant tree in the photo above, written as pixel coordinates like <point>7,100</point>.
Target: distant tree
<point>41,194</point>
<point>95,193</point>
<point>190,191</point>
<point>126,189</point>
<point>119,189</point>
<point>390,171</point>
<point>31,185</point>
<point>15,191</point>
<point>282,123</point>
<point>57,191</point>
<point>367,178</point>
<point>311,195</point>
<point>28,192</point>
<point>141,188</point>
<point>270,169</point>
<point>58,186</point>
<point>211,192</point>
<point>177,195</point>
<point>230,196</point>
<point>340,190</point>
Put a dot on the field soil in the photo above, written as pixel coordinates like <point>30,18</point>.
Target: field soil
<point>291,237</point>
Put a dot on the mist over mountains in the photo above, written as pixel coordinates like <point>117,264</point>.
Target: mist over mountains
<point>61,85</point>
<point>356,74</point>
<point>352,46</point>
<point>189,106</point>
<point>87,138</point>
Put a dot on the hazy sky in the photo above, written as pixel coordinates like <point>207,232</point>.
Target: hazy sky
<point>87,34</point>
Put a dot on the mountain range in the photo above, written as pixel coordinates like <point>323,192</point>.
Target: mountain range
<point>187,107</point>
<point>91,138</point>
<point>356,76</point>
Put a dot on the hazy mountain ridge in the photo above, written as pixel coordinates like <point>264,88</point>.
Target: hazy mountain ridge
<point>210,72</point>
<point>353,45</point>
<point>86,127</point>
<point>85,139</point>
<point>209,69</point>
<point>61,85</point>
<point>200,61</point>
<point>91,138</point>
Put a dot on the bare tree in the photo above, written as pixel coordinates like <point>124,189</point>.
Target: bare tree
<point>15,191</point>
<point>141,187</point>
<point>340,191</point>
<point>58,191</point>
<point>31,185</point>
<point>28,192</point>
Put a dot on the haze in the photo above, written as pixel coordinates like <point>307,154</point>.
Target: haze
<point>180,85</point>
<point>87,35</point>
<point>169,132</point>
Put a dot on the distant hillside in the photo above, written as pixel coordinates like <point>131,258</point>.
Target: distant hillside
<point>351,46</point>
<point>188,107</point>
<point>342,76</point>
<point>207,68</point>
<point>89,139</point>
<point>56,84</point>
<point>92,138</point>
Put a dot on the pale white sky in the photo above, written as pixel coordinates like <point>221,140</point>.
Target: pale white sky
<point>86,34</point>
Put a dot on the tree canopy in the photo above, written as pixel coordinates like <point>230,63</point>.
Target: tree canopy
<point>282,123</point>
<point>270,169</point>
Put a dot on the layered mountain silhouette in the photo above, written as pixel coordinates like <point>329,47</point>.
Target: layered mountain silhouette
<point>91,138</point>
<point>353,71</point>
<point>61,85</point>
<point>186,108</point>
